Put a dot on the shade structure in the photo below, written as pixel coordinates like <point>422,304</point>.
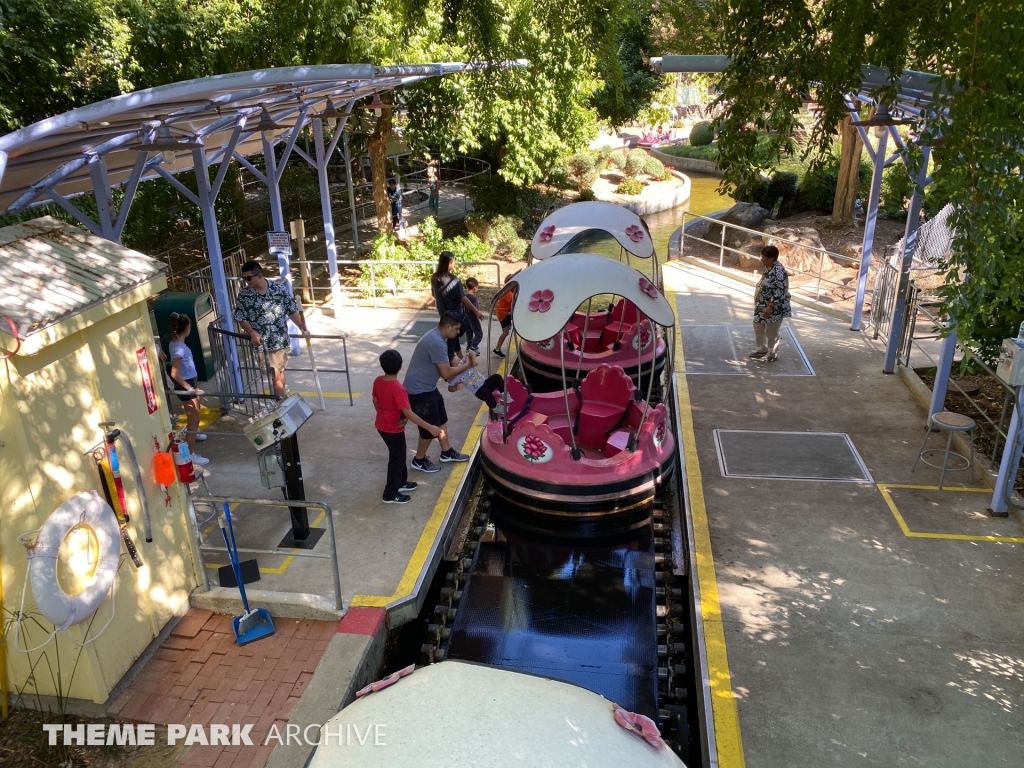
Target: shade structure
<point>564,225</point>
<point>550,292</point>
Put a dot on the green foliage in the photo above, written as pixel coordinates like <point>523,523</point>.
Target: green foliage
<point>500,232</point>
<point>629,82</point>
<point>635,162</point>
<point>653,167</point>
<point>582,169</point>
<point>897,187</point>
<point>702,134</point>
<point>586,195</point>
<point>604,154</point>
<point>495,195</point>
<point>618,160</point>
<point>704,152</point>
<point>630,186</point>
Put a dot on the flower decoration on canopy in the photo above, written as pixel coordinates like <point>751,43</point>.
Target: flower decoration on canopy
<point>540,301</point>
<point>547,233</point>
<point>648,287</point>
<point>635,233</point>
<point>534,448</point>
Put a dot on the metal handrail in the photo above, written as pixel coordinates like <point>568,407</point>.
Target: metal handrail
<point>219,500</point>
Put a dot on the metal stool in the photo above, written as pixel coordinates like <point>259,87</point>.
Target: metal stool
<point>951,422</point>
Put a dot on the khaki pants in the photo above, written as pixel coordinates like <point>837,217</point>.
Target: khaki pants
<point>279,359</point>
<point>766,336</point>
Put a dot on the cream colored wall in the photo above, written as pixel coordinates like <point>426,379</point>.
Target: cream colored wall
<point>50,405</point>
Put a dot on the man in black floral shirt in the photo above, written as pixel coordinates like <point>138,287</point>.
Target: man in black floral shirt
<point>263,310</point>
<point>771,304</point>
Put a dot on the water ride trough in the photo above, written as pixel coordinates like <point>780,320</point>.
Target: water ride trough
<point>613,336</point>
<point>596,450</point>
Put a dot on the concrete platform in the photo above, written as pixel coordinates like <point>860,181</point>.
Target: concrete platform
<point>382,548</point>
<point>847,624</point>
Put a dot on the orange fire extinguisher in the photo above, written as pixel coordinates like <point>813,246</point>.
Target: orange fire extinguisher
<point>182,459</point>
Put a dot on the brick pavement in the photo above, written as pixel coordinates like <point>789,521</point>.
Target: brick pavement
<point>200,675</point>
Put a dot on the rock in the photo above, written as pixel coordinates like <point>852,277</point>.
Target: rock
<point>749,215</point>
<point>799,257</point>
<point>851,250</point>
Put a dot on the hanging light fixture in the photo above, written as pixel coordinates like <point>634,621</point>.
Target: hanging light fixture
<point>267,123</point>
<point>378,106</point>
<point>165,143</point>
<point>330,112</point>
<point>883,118</point>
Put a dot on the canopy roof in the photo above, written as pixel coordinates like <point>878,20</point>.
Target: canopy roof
<point>559,229</point>
<point>457,713</point>
<point>62,152</point>
<point>549,292</point>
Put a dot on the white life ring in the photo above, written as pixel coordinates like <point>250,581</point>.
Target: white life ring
<point>60,608</point>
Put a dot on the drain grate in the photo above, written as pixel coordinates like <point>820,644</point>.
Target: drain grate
<point>721,350</point>
<point>790,456</point>
<point>413,332</point>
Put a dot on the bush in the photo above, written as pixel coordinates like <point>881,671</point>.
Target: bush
<point>586,196</point>
<point>817,188</point>
<point>494,195</point>
<point>635,161</point>
<point>630,186</point>
<point>707,152</point>
<point>618,159</point>
<point>897,187</point>
<point>654,168</point>
<point>702,134</point>
<point>582,170</point>
<point>603,155</point>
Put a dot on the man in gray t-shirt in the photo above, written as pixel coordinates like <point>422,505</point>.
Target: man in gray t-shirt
<point>429,363</point>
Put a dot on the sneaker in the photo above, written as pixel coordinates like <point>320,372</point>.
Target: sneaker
<point>408,487</point>
<point>498,353</point>
<point>197,459</point>
<point>772,358</point>
<point>757,355</point>
<point>474,350</point>
<point>425,465</point>
<point>200,437</point>
<point>400,498</point>
<point>452,455</point>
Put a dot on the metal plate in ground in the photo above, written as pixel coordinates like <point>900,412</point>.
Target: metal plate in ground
<point>722,350</point>
<point>414,331</point>
<point>790,456</point>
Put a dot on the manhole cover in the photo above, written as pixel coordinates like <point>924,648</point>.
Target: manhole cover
<point>966,386</point>
<point>790,455</point>
<point>721,350</point>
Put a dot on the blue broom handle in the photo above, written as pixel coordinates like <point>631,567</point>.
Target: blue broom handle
<point>235,562</point>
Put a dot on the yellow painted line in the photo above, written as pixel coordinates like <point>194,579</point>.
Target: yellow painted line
<point>884,489</point>
<point>206,417</point>
<point>723,700</point>
<point>287,561</point>
<point>426,540</point>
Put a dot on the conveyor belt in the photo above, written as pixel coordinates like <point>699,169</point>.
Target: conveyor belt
<point>583,612</point>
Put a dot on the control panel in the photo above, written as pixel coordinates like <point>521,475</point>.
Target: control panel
<point>277,422</point>
<point>1010,368</point>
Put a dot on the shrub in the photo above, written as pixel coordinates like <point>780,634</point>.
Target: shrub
<point>702,134</point>
<point>630,186</point>
<point>603,155</point>
<point>582,170</point>
<point>635,161</point>
<point>618,159</point>
<point>654,168</point>
<point>817,188</point>
<point>586,195</point>
<point>667,175</point>
<point>493,194</point>
<point>897,187</point>
<point>708,152</point>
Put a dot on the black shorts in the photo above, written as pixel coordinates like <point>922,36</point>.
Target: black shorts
<point>429,406</point>
<point>192,383</point>
<point>506,322</point>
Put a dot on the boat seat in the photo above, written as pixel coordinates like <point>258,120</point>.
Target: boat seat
<point>607,393</point>
<point>517,396</point>
<point>596,420</point>
<point>624,314</point>
<point>616,443</point>
<point>634,413</point>
<point>534,418</point>
<point>561,427</point>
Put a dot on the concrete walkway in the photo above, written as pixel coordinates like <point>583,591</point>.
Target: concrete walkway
<point>871,623</point>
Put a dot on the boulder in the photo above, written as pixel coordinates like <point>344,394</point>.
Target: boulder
<point>799,257</point>
<point>749,215</point>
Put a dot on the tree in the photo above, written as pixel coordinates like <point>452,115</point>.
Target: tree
<point>849,173</point>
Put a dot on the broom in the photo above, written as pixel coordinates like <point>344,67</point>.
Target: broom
<point>253,624</point>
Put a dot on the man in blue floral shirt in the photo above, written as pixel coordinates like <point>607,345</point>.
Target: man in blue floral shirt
<point>263,310</point>
<point>771,304</point>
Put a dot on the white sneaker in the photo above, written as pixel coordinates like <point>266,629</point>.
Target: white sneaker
<point>197,459</point>
<point>200,437</point>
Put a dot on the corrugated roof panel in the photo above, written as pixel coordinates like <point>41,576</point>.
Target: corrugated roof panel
<point>53,270</point>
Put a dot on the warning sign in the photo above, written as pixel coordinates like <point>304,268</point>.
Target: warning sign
<point>147,380</point>
<point>279,244</point>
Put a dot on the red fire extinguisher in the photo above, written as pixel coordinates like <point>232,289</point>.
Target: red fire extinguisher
<point>182,460</point>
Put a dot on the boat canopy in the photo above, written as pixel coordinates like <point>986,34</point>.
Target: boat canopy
<point>558,229</point>
<point>550,292</point>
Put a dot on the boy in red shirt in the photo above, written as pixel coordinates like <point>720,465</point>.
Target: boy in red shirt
<point>391,402</point>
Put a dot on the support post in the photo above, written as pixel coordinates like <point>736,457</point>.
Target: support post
<point>870,218</point>
<point>1009,463</point>
<point>277,219</point>
<point>220,280</point>
<point>944,366</point>
<point>101,192</point>
<point>909,242</point>
<point>322,159</point>
<point>351,191</point>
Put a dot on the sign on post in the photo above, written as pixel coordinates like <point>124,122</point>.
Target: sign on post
<point>279,244</point>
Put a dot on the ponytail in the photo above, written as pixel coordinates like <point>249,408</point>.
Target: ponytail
<point>179,323</point>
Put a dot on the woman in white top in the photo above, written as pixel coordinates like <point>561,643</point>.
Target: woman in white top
<point>185,377</point>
